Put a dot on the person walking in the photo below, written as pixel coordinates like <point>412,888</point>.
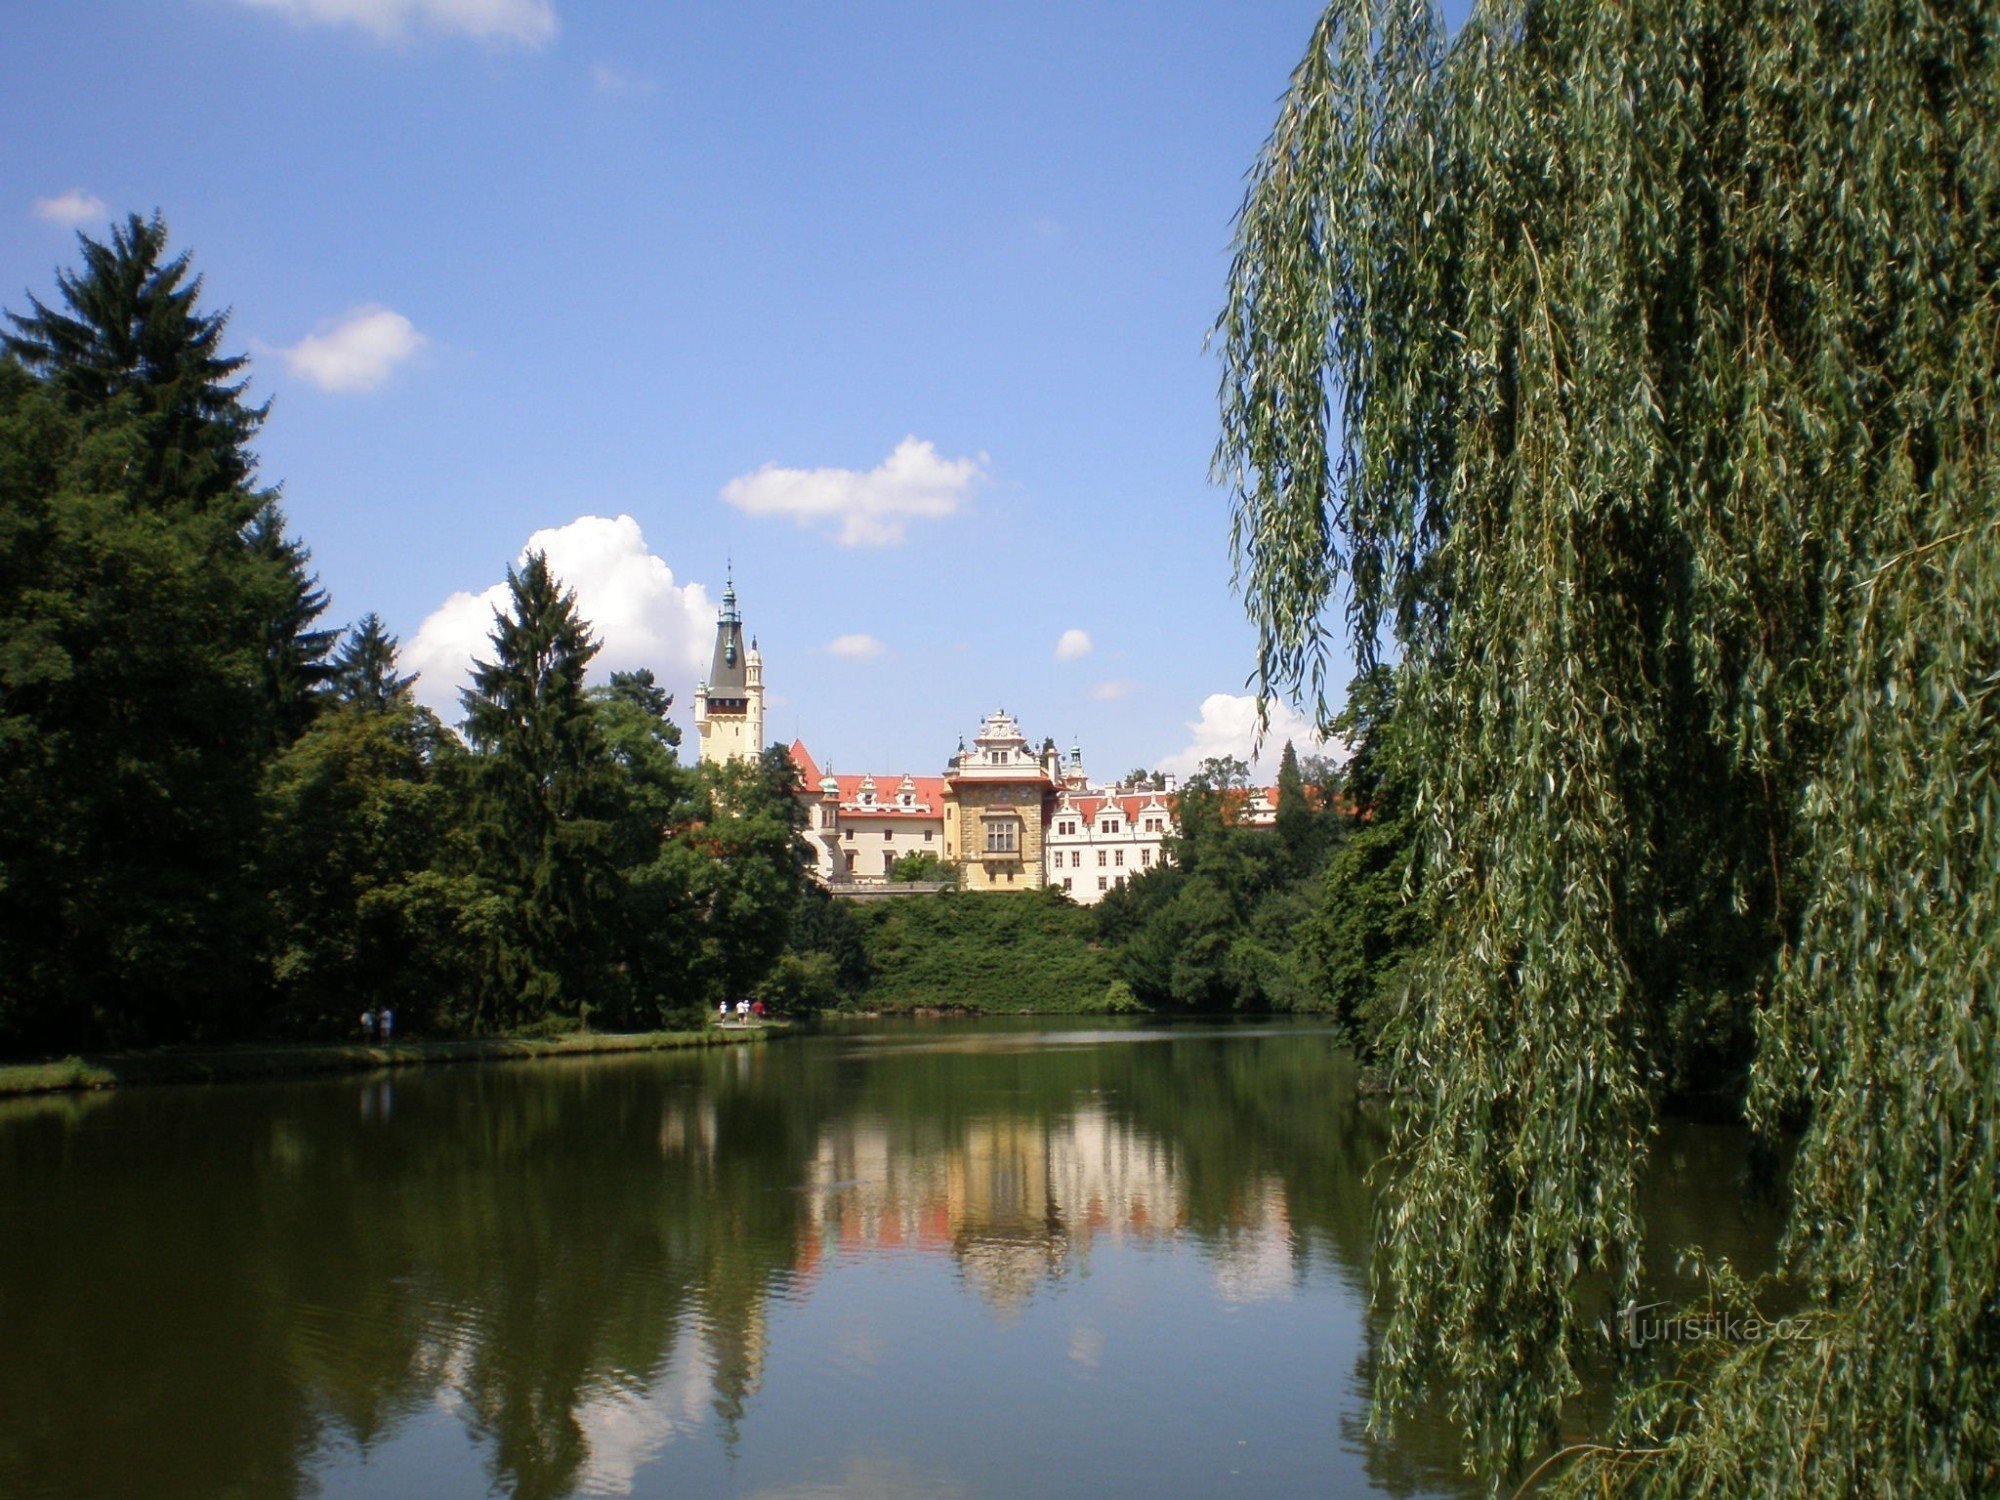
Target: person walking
<point>368,1025</point>
<point>386,1022</point>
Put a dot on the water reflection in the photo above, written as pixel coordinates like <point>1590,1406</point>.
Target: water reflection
<point>969,1262</point>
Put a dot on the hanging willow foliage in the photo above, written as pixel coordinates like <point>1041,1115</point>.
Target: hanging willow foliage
<point>1631,363</point>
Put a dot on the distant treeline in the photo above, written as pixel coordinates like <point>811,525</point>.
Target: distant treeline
<point>221,817</point>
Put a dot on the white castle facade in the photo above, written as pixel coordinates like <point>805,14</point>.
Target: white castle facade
<point>1005,814</point>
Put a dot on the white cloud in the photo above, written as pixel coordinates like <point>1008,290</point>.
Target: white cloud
<point>1073,644</point>
<point>618,83</point>
<point>72,209</point>
<point>357,353</point>
<point>635,609</point>
<point>855,647</point>
<point>1111,690</point>
<point>1228,726</point>
<point>872,509</point>
<point>526,23</point>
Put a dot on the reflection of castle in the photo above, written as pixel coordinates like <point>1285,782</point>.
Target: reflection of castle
<point>1011,1199</point>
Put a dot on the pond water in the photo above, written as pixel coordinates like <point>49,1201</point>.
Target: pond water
<point>946,1259</point>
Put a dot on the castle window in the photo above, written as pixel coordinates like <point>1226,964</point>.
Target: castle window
<point>927,834</point>
<point>1145,856</point>
<point>1120,861</point>
<point>1101,883</point>
<point>1066,882</point>
<point>1100,857</point>
<point>888,833</point>
<point>1000,837</point>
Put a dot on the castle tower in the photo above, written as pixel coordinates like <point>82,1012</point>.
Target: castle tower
<point>729,706</point>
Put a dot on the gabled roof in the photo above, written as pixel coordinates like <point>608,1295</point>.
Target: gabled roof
<point>927,792</point>
<point>808,767</point>
<point>1132,805</point>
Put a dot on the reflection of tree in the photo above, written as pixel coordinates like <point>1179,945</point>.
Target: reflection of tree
<point>237,1283</point>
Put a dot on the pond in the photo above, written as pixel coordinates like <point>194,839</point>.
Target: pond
<point>918,1259</point>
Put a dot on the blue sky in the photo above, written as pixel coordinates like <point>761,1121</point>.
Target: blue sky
<point>901,307</point>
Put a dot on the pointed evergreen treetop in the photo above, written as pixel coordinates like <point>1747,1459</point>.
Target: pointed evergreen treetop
<point>364,668</point>
<point>133,331</point>
<point>529,700</point>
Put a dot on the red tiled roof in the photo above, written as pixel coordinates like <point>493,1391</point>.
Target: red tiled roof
<point>1087,808</point>
<point>928,790</point>
<point>808,769</point>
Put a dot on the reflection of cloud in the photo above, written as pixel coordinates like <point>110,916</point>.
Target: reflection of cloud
<point>1256,1268</point>
<point>870,1476</point>
<point>1086,1346</point>
<point>625,1430</point>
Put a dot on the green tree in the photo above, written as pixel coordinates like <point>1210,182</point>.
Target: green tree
<point>542,792</point>
<point>297,672</point>
<point>923,865</point>
<point>364,667</point>
<point>1356,948</point>
<point>651,798</point>
<point>135,624</point>
<point>366,859</point>
<point>1632,365</point>
<point>1298,821</point>
<point>130,341</point>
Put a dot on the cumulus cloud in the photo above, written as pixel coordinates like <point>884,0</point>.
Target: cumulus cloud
<point>636,610</point>
<point>356,353</point>
<point>1110,690</point>
<point>524,23</point>
<point>871,509</point>
<point>855,647</point>
<point>1228,726</point>
<point>72,209</point>
<point>1073,644</point>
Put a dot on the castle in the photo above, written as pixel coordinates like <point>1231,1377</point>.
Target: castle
<point>1009,816</point>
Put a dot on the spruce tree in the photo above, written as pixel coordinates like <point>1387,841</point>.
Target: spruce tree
<point>137,614</point>
<point>1295,821</point>
<point>297,672</point>
<point>542,789</point>
<point>131,337</point>
<point>364,668</point>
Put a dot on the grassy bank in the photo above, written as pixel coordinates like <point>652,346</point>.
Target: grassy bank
<point>983,953</point>
<point>223,1064</point>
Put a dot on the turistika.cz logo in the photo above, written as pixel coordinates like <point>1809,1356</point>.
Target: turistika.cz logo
<point>1641,1325</point>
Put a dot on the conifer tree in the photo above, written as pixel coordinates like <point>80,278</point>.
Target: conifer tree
<point>136,619</point>
<point>297,672</point>
<point>1295,818</point>
<point>131,337</point>
<point>364,667</point>
<point>541,793</point>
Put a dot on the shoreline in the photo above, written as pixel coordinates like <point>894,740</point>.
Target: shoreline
<point>253,1061</point>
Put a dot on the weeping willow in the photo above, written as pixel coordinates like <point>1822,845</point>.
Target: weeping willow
<point>1628,368</point>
